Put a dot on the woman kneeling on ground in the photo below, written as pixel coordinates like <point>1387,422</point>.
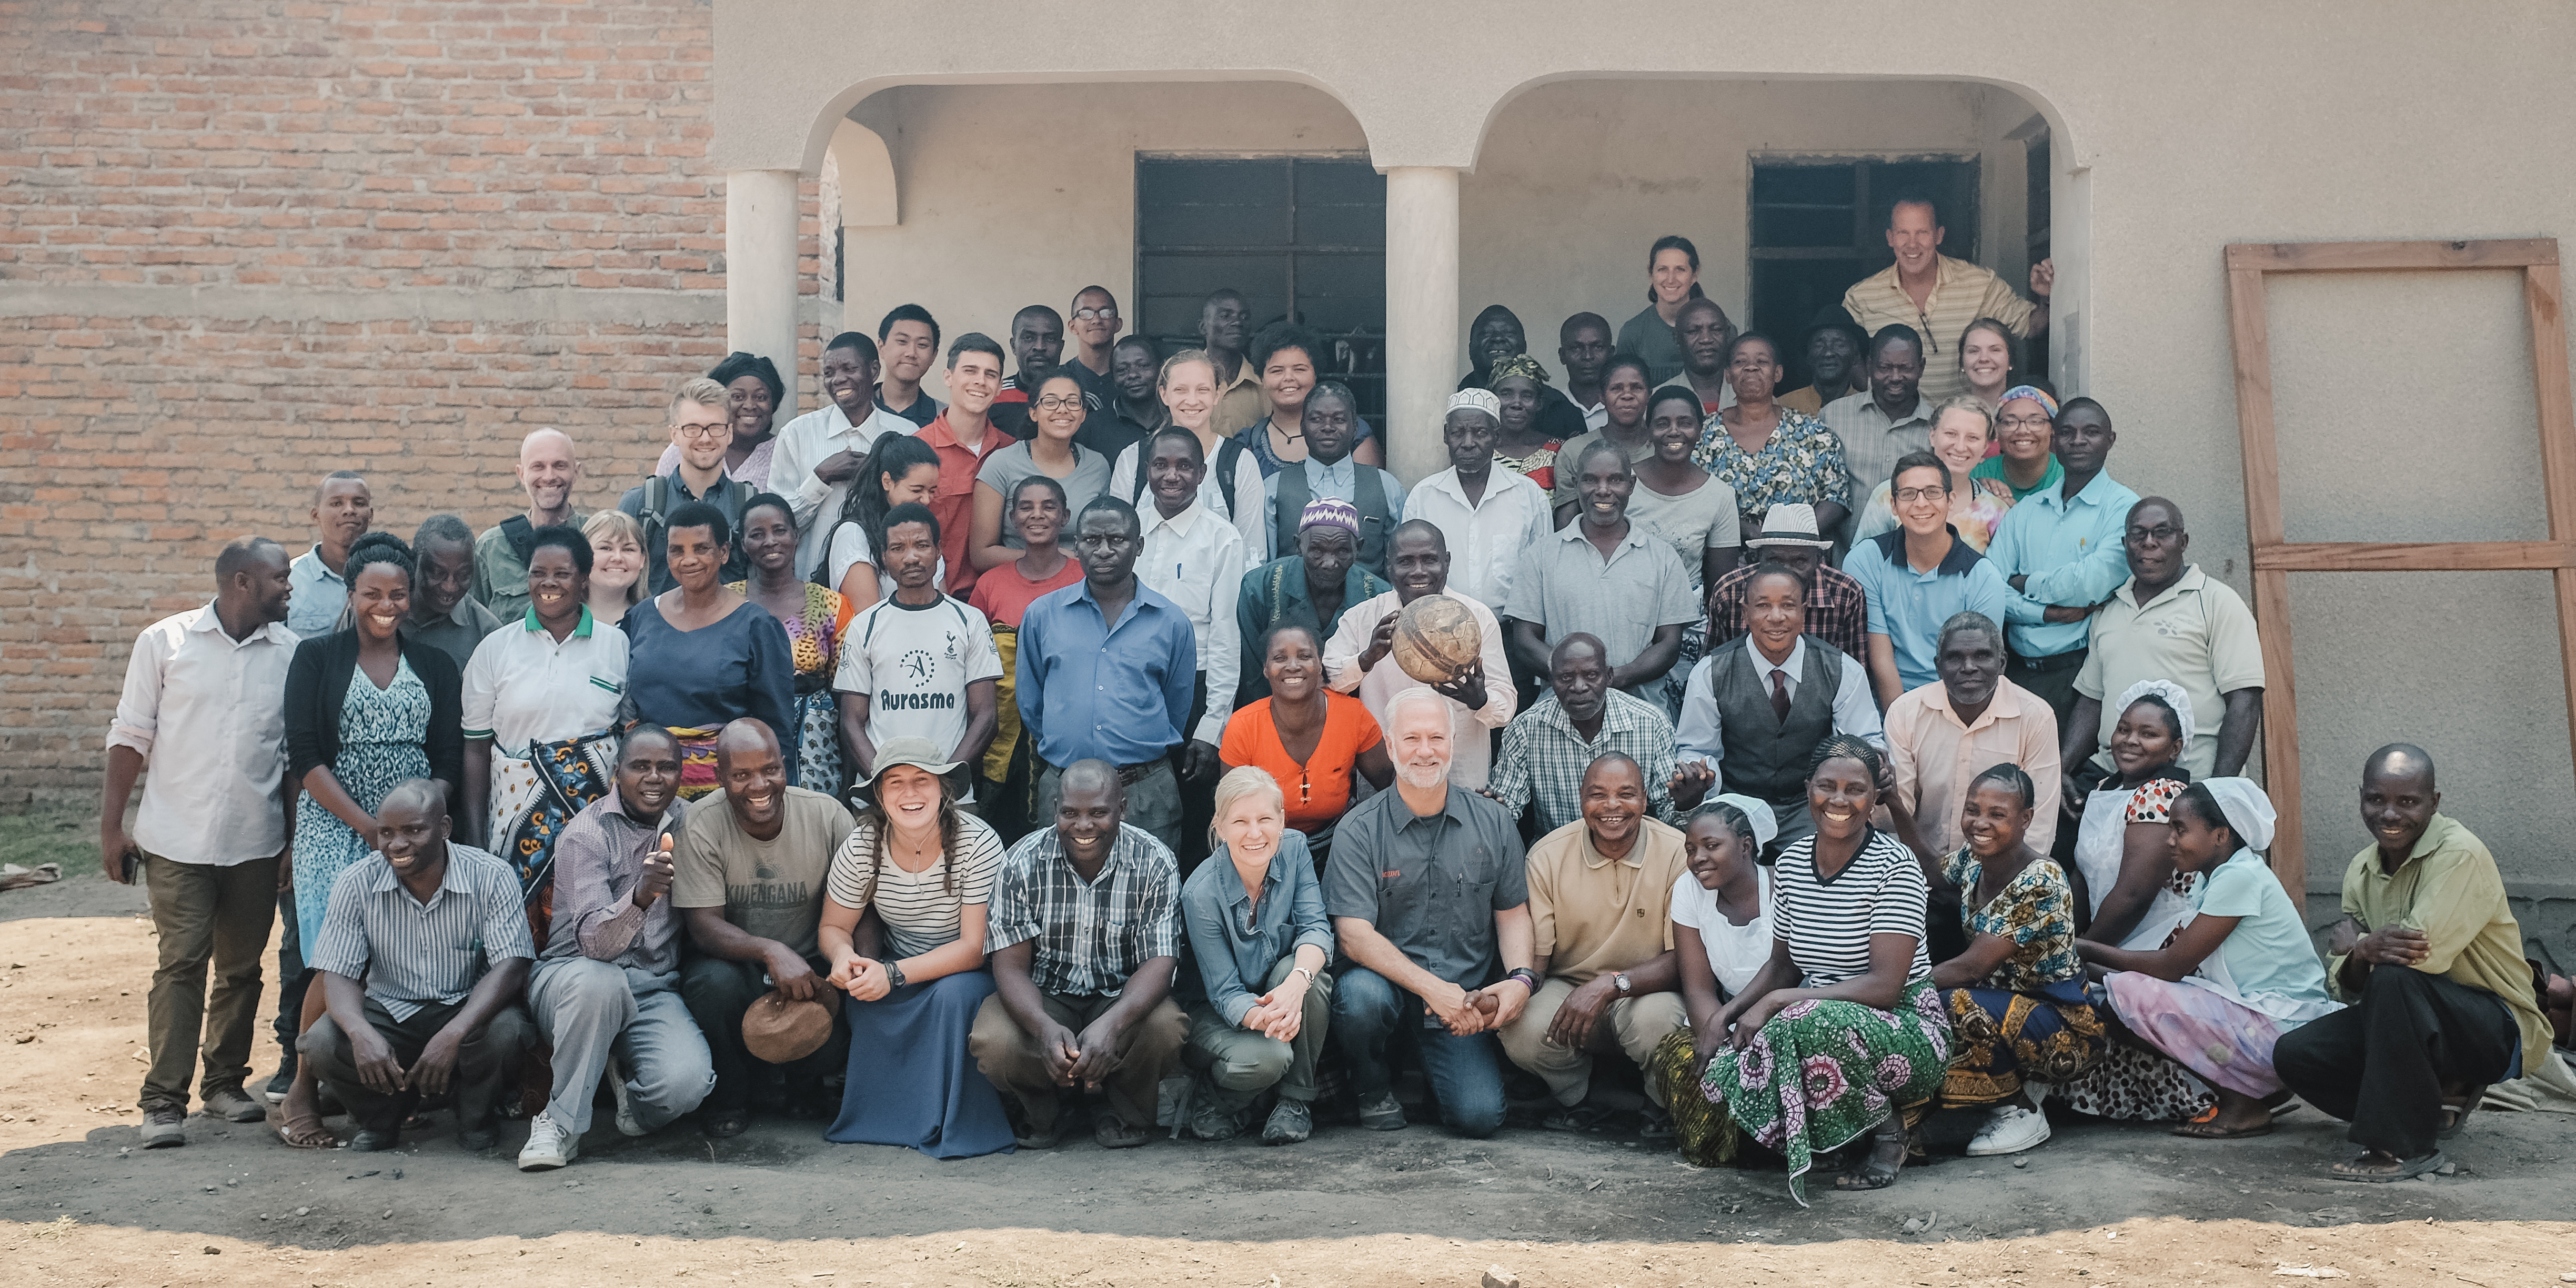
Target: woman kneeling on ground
<point>2016,996</point>
<point>903,926</point>
<point>2236,974</point>
<point>1842,1037</point>
<point>1256,919</point>
<point>1726,897</point>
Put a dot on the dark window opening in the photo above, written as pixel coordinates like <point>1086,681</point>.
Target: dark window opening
<point>1819,225</point>
<point>1301,237</point>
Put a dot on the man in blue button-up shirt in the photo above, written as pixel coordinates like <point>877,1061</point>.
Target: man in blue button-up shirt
<point>1105,672</point>
<point>2060,551</point>
<point>1919,577</point>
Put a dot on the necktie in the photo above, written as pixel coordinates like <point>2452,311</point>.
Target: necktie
<point>1780,694</point>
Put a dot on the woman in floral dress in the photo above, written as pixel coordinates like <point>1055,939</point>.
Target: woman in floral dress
<point>814,617</point>
<point>1768,453</point>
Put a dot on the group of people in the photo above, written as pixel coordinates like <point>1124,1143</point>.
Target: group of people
<point>1827,757</point>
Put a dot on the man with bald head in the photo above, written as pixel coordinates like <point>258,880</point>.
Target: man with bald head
<point>2168,621</point>
<point>1549,748</point>
<point>2430,958</point>
<point>1084,934</point>
<point>424,956</point>
<point>548,470</point>
<point>748,882</point>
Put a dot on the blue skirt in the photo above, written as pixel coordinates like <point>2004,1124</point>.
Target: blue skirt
<point>911,1080</point>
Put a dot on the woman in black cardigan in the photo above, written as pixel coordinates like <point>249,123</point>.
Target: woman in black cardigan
<point>365,710</point>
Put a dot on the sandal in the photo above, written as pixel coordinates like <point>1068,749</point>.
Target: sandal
<point>303,1132</point>
<point>2380,1166</point>
<point>2455,1118</point>
<point>1886,1157</point>
<point>1585,1116</point>
<point>2205,1126</point>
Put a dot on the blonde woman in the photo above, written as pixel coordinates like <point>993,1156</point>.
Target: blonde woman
<point>1232,490</point>
<point>1961,428</point>
<point>1255,920</point>
<point>616,565</point>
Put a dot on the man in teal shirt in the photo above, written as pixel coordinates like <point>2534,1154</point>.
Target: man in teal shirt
<point>2060,551</point>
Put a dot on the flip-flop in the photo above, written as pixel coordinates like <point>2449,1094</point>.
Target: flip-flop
<point>2395,1169</point>
<point>2205,1127</point>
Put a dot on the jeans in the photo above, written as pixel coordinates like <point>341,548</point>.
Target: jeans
<point>1372,1018</point>
<point>717,993</point>
<point>591,1010</point>
<point>2382,1063</point>
<point>291,977</point>
<point>204,916</point>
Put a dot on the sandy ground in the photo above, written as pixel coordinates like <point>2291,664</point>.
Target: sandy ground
<point>2100,1205</point>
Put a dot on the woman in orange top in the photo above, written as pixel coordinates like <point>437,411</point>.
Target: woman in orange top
<point>1314,741</point>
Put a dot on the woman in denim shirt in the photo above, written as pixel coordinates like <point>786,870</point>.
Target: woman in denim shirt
<point>1256,921</point>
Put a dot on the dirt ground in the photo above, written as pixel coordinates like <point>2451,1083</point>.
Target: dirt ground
<point>2098,1207</point>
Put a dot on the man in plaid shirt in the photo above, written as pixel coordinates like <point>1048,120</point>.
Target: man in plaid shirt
<point>1085,934</point>
<point>1837,607</point>
<point>1548,748</point>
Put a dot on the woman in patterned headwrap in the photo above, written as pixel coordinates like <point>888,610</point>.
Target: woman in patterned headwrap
<point>1519,386</point>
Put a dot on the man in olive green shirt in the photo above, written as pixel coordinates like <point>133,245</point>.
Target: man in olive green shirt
<point>2430,958</point>
<point>547,471</point>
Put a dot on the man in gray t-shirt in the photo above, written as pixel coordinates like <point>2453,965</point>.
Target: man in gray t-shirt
<point>748,881</point>
<point>1429,896</point>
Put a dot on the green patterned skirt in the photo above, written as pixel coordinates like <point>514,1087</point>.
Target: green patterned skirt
<point>1705,1133</point>
<point>1822,1074</point>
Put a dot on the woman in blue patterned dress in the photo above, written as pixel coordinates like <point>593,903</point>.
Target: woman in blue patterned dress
<point>365,710</point>
<point>1768,453</point>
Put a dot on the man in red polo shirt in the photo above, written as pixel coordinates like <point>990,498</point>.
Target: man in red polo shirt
<point>963,435</point>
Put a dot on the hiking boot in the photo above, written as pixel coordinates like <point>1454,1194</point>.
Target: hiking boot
<point>549,1145</point>
<point>163,1128</point>
<point>1211,1121</point>
<point>1291,1121</point>
<point>229,1104</point>
<point>1379,1112</point>
<point>2009,1129</point>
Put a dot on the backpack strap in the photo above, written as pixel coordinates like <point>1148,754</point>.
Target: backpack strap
<point>1227,454</point>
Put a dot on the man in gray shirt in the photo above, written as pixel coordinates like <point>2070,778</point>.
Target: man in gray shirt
<point>1429,895</point>
<point>607,989</point>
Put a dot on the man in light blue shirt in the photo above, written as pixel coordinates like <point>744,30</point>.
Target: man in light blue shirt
<point>1331,428</point>
<point>1918,577</point>
<point>343,510</point>
<point>2060,551</point>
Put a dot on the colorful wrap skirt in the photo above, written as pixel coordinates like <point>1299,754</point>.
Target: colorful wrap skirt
<point>532,798</point>
<point>818,741</point>
<point>1705,1132</point>
<point>2215,1036</point>
<point>2004,1037</point>
<point>697,761</point>
<point>1822,1074</point>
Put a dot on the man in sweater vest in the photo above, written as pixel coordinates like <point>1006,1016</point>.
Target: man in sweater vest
<point>1331,427</point>
<point>1756,709</point>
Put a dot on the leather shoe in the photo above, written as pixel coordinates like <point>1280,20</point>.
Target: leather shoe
<point>369,1140</point>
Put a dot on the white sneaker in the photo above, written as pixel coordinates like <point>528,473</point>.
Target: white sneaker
<point>549,1145</point>
<point>2009,1129</point>
<point>626,1124</point>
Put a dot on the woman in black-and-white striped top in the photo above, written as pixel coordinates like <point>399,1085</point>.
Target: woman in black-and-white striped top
<point>903,926</point>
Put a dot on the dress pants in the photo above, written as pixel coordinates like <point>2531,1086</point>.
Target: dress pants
<point>1011,1060</point>
<point>718,992</point>
<point>1637,1024</point>
<point>1241,1064</point>
<point>487,1064</point>
<point>591,1010</point>
<point>1372,1019</point>
<point>2382,1063</point>
<point>291,977</point>
<point>204,915</point>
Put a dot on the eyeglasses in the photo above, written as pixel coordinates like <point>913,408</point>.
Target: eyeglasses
<point>1095,315</point>
<point>2161,533</point>
<point>2025,422</point>
<point>695,433</point>
<point>1059,402</point>
<point>1909,495</point>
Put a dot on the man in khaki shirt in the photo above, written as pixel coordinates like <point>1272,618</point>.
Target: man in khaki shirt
<point>2170,621</point>
<point>2430,957</point>
<point>1939,296</point>
<point>1940,737</point>
<point>1600,901</point>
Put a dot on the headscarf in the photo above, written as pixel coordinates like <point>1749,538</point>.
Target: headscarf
<point>1765,824</point>
<point>1477,400</point>
<point>1519,364</point>
<point>2173,696</point>
<point>2249,812</point>
<point>1329,512</point>
<point>2046,401</point>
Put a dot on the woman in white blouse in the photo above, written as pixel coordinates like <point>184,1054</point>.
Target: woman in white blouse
<point>903,926</point>
<point>1726,898</point>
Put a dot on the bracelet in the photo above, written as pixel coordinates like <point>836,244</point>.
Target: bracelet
<point>1300,970</point>
<point>1528,978</point>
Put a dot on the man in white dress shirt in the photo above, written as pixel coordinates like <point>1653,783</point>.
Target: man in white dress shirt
<point>1487,516</point>
<point>204,710</point>
<point>1196,560</point>
<point>818,454</point>
<point>1481,699</point>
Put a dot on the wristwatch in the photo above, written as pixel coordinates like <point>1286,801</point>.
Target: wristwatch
<point>894,973</point>
<point>1620,981</point>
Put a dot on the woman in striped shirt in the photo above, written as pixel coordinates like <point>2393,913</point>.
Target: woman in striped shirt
<point>1841,1035</point>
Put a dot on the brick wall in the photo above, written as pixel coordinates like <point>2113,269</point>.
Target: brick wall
<point>242,244</point>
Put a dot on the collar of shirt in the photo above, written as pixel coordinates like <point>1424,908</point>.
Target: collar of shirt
<point>1962,556</point>
<point>1180,524</point>
<point>2010,700</point>
<point>634,835</point>
<point>680,485</point>
<point>211,622</point>
<point>1620,713</point>
<point>311,562</point>
<point>939,434</point>
<point>1635,540</point>
<point>1635,858</point>
<point>2191,579</point>
<point>1122,851</point>
<point>2099,491</point>
<point>1498,482</point>
<point>1145,598</point>
<point>1238,903</point>
<point>387,881</point>
<point>2438,835</point>
<point>1920,415</point>
<point>1343,474</point>
<point>1795,664</point>
<point>580,631</point>
<point>1452,810</point>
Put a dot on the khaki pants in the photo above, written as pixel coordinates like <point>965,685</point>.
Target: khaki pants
<point>204,915</point>
<point>1011,1060</point>
<point>1241,1064</point>
<point>1637,1025</point>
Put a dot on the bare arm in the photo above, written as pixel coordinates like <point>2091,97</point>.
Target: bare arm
<point>854,734</point>
<point>327,792</point>
<point>984,535</point>
<point>1891,959</point>
<point>116,852</point>
<point>1716,562</point>
<point>859,586</point>
<point>2191,946</point>
<point>2075,745</point>
<point>1020,996</point>
<point>718,937</point>
<point>983,717</point>
<point>1658,657</point>
<point>1528,645</point>
<point>1882,671</point>
<point>501,986</point>
<point>1984,954</point>
<point>1375,766</point>
<point>2238,730</point>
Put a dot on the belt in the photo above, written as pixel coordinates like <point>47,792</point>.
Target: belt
<point>1130,775</point>
<point>2066,661</point>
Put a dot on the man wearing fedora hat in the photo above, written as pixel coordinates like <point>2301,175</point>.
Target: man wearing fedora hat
<point>1085,935</point>
<point>1837,607</point>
